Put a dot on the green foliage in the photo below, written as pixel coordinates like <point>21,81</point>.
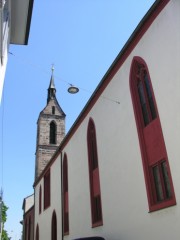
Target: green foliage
<point>4,235</point>
<point>4,209</point>
<point>4,214</point>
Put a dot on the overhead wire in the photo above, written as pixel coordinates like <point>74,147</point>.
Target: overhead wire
<point>25,61</point>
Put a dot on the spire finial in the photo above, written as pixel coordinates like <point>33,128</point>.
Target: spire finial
<point>51,89</point>
<point>52,68</point>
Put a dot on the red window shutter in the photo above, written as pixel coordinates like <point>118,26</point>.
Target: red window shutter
<point>65,196</point>
<point>152,145</point>
<point>95,192</point>
<point>47,190</point>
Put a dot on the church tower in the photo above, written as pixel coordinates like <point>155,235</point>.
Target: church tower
<point>50,129</point>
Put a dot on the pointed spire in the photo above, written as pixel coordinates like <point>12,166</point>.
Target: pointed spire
<point>51,89</point>
<point>51,85</point>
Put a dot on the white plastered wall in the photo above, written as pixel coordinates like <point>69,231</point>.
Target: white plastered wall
<point>123,191</point>
<point>44,219</point>
<point>4,45</point>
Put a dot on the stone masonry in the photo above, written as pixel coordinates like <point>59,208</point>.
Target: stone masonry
<point>51,113</point>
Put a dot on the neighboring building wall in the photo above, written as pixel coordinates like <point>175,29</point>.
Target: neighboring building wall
<point>125,207</point>
<point>28,203</point>
<point>15,19</point>
<point>5,10</point>
<point>28,218</point>
<point>28,224</point>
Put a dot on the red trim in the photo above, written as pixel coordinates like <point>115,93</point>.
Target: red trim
<point>47,190</point>
<point>143,26</point>
<point>65,197</point>
<point>40,199</point>
<point>28,219</point>
<point>37,232</point>
<point>54,226</point>
<point>151,139</point>
<point>94,181</point>
<point>25,230</point>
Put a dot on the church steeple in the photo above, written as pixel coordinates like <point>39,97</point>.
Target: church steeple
<point>50,129</point>
<point>51,89</point>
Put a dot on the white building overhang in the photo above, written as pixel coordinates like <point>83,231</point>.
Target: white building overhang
<point>21,12</point>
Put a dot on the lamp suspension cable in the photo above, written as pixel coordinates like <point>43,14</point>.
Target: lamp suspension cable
<point>71,89</point>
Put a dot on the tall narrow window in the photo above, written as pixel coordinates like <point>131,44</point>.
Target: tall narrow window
<point>52,138</point>
<point>37,232</point>
<point>29,229</point>
<point>54,227</point>
<point>145,95</point>
<point>95,194</point>
<point>40,200</point>
<point>65,196</point>
<point>153,150</point>
<point>53,109</point>
<point>47,190</point>
<point>26,230</point>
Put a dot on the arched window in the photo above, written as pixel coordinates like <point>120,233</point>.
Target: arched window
<point>40,200</point>
<point>95,194</point>
<point>155,160</point>
<point>25,230</point>
<point>37,232</point>
<point>47,189</point>
<point>53,109</point>
<point>65,196</point>
<point>54,227</point>
<point>52,138</point>
<point>29,229</point>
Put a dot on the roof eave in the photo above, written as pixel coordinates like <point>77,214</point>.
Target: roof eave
<point>21,14</point>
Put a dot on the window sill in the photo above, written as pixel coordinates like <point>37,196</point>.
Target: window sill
<point>45,208</point>
<point>66,233</point>
<point>162,205</point>
<point>97,224</point>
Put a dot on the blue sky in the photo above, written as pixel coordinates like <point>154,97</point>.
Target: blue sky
<point>81,38</point>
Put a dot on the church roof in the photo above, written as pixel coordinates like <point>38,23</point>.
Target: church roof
<point>28,203</point>
<point>52,85</point>
<point>51,98</point>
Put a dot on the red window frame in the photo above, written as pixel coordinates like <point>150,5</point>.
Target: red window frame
<point>29,229</point>
<point>40,200</point>
<point>65,197</point>
<point>26,230</point>
<point>149,129</point>
<point>54,226</point>
<point>95,192</point>
<point>47,189</point>
<point>161,182</point>
<point>37,232</point>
